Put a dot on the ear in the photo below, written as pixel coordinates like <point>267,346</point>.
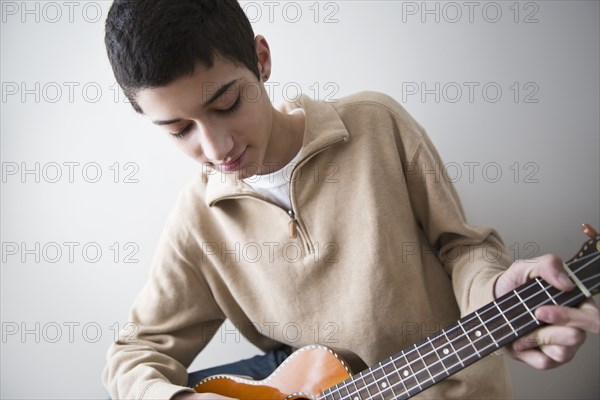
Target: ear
<point>264,57</point>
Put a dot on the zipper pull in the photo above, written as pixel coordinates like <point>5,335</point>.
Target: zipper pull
<point>292,225</point>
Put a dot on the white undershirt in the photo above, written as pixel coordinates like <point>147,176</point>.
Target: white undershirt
<point>276,185</point>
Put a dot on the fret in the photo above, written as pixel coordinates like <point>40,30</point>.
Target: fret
<point>372,383</point>
<point>477,333</point>
<point>335,390</point>
<point>497,325</point>
<point>563,298</point>
<point>466,335</point>
<point>538,280</point>
<point>506,319</point>
<point>429,356</point>
<point>418,367</point>
<point>381,382</point>
<point>528,309</point>
<point>387,386</point>
<point>393,377</point>
<point>364,391</point>
<point>326,395</point>
<point>438,356</point>
<point>393,362</point>
<point>453,348</point>
<point>465,350</point>
<point>533,296</point>
<point>354,391</point>
<point>410,379</point>
<point>343,390</point>
<point>446,353</point>
<point>486,329</point>
<point>516,313</point>
<point>423,361</point>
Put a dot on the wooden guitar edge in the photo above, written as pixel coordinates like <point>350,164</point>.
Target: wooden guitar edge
<point>291,379</point>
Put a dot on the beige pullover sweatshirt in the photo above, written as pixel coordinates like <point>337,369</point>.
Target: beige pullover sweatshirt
<point>381,258</point>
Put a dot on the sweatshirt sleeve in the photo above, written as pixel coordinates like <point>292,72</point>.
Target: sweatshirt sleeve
<point>171,320</point>
<point>473,255</point>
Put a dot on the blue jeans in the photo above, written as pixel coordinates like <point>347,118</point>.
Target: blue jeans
<point>257,367</point>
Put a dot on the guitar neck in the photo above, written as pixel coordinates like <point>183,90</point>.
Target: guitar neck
<point>460,344</point>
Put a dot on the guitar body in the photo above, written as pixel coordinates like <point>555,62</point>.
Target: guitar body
<point>303,375</point>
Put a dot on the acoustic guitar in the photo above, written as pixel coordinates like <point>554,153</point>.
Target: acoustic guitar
<point>319,372</point>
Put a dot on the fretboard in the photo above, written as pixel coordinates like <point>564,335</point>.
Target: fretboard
<point>458,345</point>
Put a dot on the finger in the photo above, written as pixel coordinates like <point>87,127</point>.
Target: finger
<point>551,335</point>
<point>535,358</point>
<point>551,268</point>
<point>586,317</point>
<point>560,354</point>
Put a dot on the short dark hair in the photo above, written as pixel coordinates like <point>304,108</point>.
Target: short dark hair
<point>150,43</point>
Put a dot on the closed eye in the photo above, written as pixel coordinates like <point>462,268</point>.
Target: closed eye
<point>233,107</point>
<point>181,134</point>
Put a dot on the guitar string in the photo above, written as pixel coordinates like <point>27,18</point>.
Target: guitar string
<point>464,335</point>
<point>407,391</point>
<point>483,309</point>
<point>461,336</point>
<point>441,373</point>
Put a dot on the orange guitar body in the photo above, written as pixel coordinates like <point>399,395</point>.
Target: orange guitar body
<point>303,375</point>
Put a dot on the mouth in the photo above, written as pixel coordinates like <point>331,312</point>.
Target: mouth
<point>234,164</point>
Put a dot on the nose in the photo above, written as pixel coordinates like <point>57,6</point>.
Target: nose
<point>215,145</point>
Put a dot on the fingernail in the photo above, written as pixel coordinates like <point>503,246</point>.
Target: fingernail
<point>543,315</point>
<point>565,280</point>
<point>520,346</point>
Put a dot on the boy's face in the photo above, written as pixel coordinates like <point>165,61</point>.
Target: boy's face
<point>220,116</point>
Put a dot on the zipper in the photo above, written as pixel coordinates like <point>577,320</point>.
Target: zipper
<point>292,225</point>
<point>295,226</point>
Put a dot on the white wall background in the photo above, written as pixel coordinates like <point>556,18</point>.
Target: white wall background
<point>63,120</point>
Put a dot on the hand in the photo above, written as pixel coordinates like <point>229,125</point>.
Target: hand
<point>199,396</point>
<point>554,345</point>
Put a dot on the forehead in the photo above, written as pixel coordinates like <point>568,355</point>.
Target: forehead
<point>187,93</point>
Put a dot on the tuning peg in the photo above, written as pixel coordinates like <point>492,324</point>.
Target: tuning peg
<point>588,230</point>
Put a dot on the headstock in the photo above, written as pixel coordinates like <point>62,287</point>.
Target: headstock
<point>584,267</point>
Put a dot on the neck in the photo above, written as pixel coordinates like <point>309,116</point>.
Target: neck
<point>287,134</point>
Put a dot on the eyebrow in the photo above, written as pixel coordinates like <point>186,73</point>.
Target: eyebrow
<point>212,98</point>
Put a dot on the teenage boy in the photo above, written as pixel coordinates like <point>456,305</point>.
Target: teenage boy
<point>353,240</point>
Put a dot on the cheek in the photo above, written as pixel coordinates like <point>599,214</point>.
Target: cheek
<point>190,147</point>
<point>256,122</point>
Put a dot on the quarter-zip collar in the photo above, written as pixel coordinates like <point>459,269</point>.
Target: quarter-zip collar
<point>323,128</point>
